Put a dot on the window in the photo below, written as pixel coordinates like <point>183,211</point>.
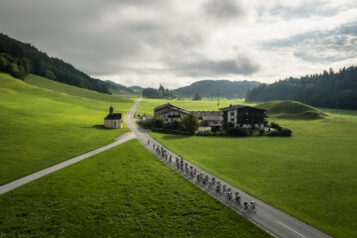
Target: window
<point>232,113</point>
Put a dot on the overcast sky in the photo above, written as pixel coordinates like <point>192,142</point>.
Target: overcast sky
<point>176,42</point>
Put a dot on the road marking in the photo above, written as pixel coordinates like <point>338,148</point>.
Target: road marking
<point>290,229</point>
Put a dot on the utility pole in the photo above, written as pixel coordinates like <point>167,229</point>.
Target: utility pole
<point>218,99</point>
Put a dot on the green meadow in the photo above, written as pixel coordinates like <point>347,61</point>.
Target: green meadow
<point>122,192</point>
<point>43,122</point>
<point>311,175</point>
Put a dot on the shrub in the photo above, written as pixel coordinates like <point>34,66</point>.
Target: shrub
<point>214,129</point>
<point>190,123</point>
<point>158,122</point>
<point>275,126</point>
<point>285,132</point>
<point>273,133</point>
<point>235,131</point>
<point>146,123</point>
<point>261,132</point>
<point>175,125</point>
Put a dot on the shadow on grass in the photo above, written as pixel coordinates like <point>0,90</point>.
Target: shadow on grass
<point>175,137</point>
<point>101,127</point>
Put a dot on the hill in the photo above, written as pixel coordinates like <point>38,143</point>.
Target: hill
<point>291,110</point>
<point>136,89</point>
<point>329,89</point>
<point>210,88</point>
<point>19,59</point>
<point>43,122</point>
<point>117,88</point>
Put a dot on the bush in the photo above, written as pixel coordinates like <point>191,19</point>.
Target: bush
<point>285,132</point>
<point>235,131</point>
<point>166,131</point>
<point>214,129</point>
<point>145,123</point>
<point>261,132</point>
<point>157,122</point>
<point>190,123</point>
<point>273,133</point>
<point>175,125</point>
<point>275,126</point>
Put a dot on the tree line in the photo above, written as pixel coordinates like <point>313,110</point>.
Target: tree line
<point>158,93</point>
<point>328,89</point>
<point>20,59</point>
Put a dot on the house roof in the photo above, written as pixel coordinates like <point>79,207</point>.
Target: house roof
<point>169,107</point>
<point>239,107</point>
<point>208,115</point>
<point>113,116</point>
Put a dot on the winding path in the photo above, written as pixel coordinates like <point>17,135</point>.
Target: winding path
<point>272,220</point>
<point>267,217</point>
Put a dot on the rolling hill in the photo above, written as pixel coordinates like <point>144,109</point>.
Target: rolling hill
<point>291,110</point>
<point>43,122</point>
<point>116,88</point>
<point>19,59</point>
<point>211,88</point>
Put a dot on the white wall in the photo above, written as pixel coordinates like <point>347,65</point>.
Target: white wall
<point>112,123</point>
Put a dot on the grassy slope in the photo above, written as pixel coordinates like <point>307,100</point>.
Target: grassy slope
<point>291,109</point>
<point>311,175</point>
<point>43,122</point>
<point>123,192</point>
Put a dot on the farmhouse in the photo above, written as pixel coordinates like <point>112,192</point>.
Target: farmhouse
<point>113,120</point>
<point>243,117</point>
<point>209,118</point>
<point>170,112</point>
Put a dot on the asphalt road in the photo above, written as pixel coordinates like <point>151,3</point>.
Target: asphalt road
<point>267,217</point>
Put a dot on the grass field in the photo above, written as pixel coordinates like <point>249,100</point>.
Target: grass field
<point>311,175</point>
<point>43,122</point>
<point>122,192</point>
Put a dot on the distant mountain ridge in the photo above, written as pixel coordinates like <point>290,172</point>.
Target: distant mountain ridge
<point>136,89</point>
<point>117,88</point>
<point>210,88</point>
<point>19,59</point>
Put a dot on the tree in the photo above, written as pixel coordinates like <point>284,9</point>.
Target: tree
<point>197,97</point>
<point>190,123</point>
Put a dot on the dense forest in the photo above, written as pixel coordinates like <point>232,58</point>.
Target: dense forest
<point>212,88</point>
<point>329,89</point>
<point>158,93</point>
<point>20,59</point>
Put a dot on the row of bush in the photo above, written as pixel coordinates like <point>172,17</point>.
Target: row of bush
<point>189,125</point>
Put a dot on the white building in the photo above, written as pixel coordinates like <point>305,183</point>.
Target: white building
<point>113,120</point>
<point>170,112</point>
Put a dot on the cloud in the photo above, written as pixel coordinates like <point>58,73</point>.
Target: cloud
<point>209,68</point>
<point>176,42</point>
<point>321,46</point>
<point>224,9</point>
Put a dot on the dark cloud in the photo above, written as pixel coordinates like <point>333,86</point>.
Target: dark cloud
<point>204,68</point>
<point>223,9</point>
